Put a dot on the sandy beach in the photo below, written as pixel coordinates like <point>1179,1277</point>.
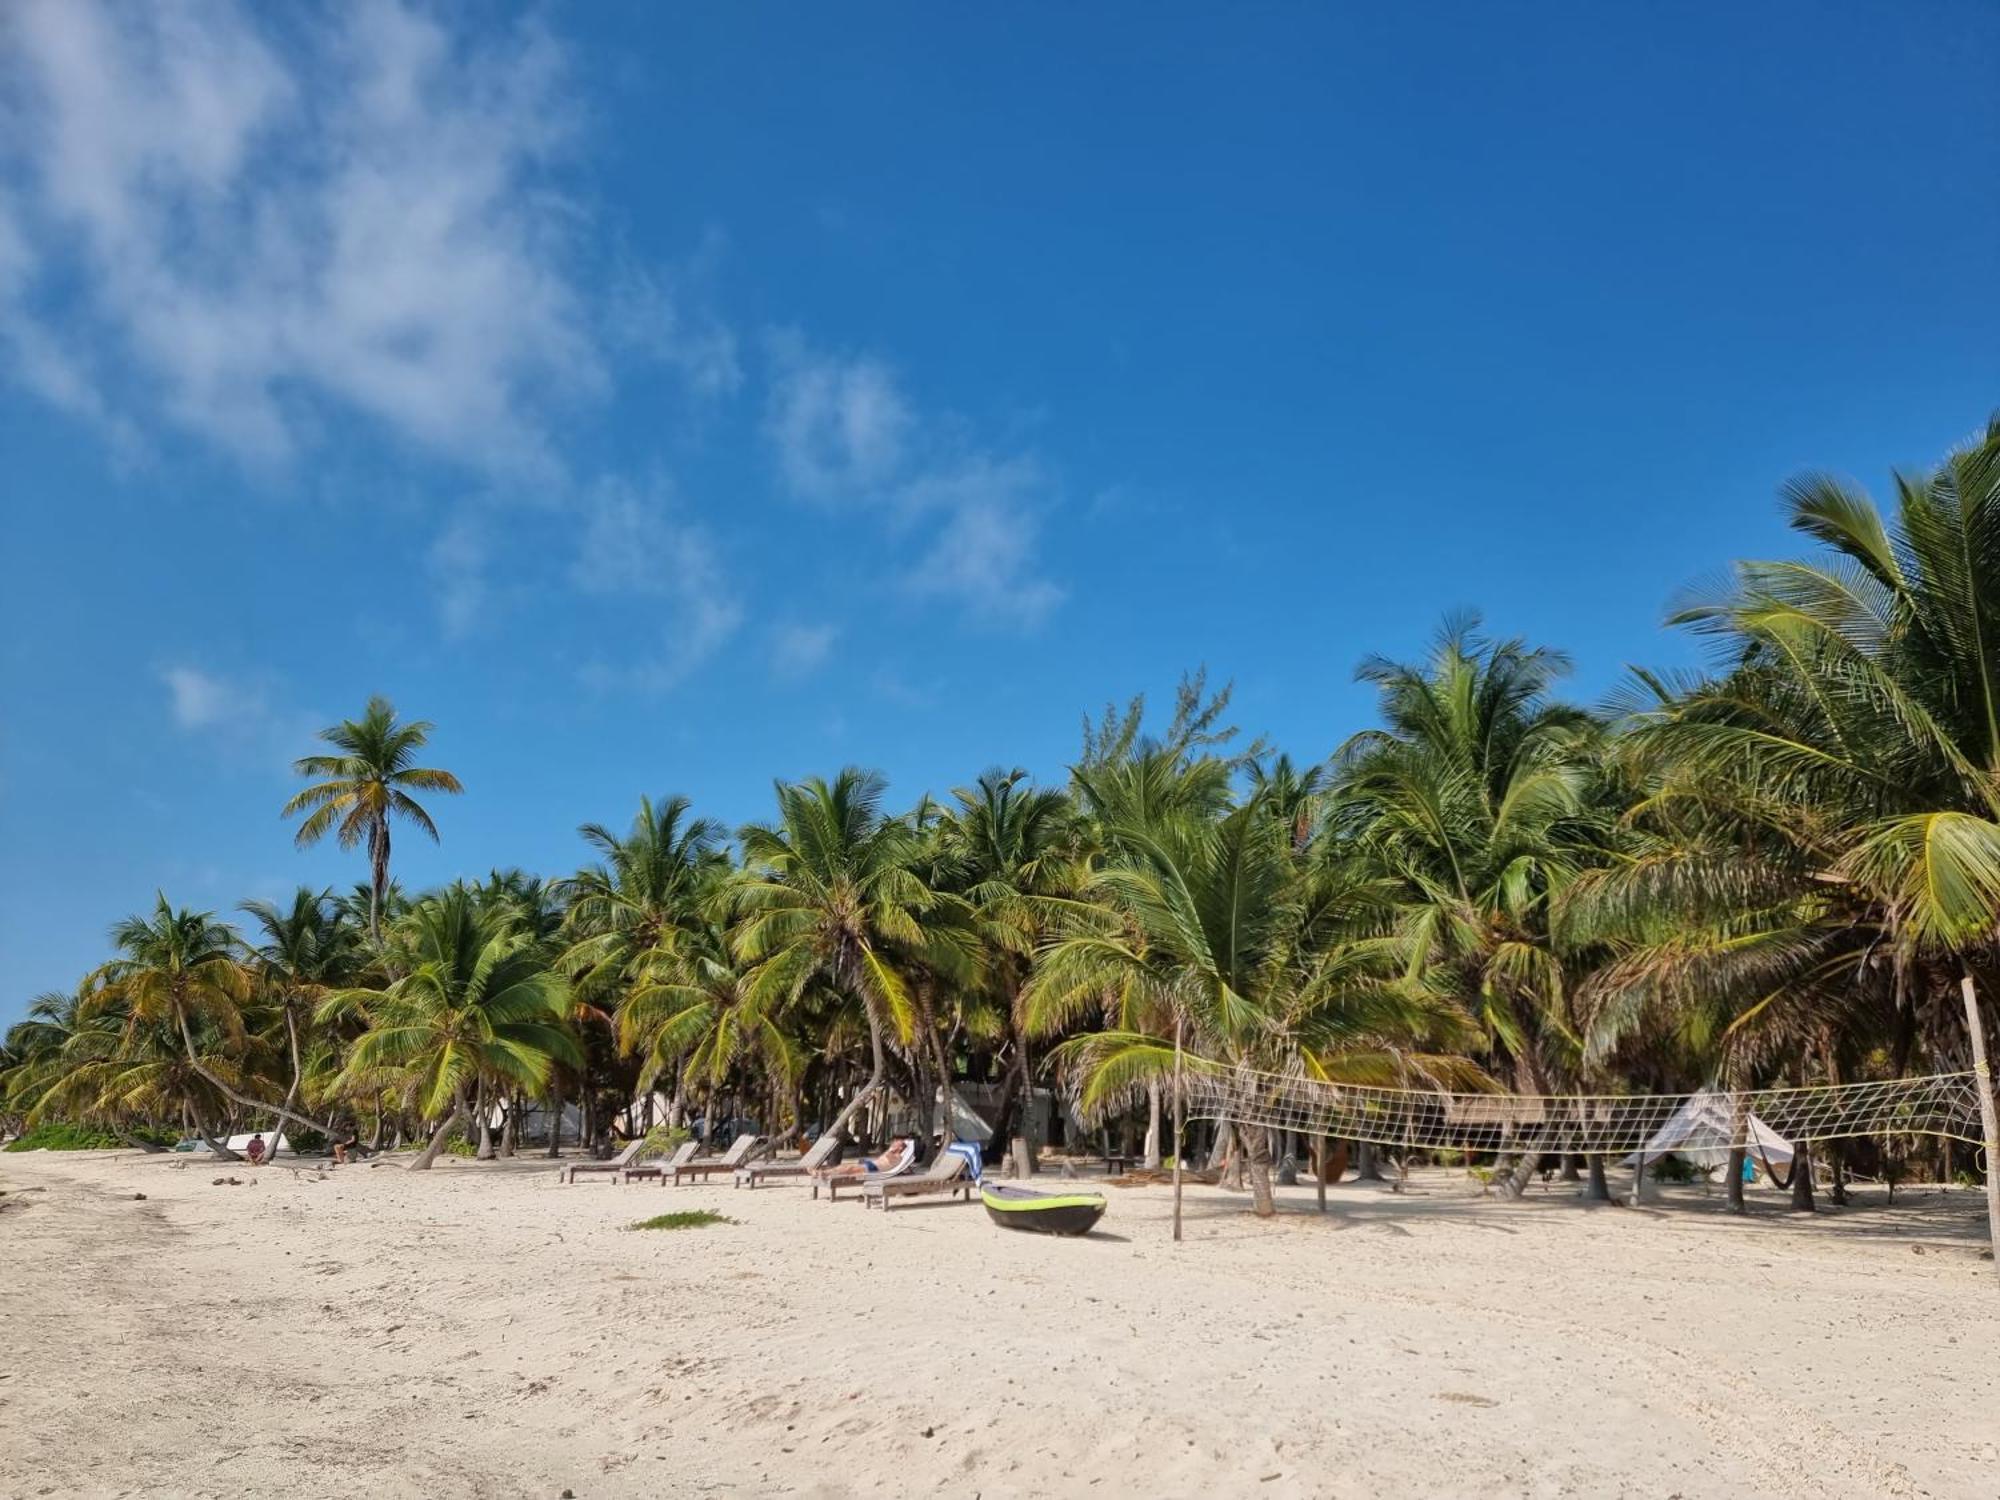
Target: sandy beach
<point>483,1331</point>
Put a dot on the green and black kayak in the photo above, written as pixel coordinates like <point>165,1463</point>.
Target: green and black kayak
<point>1041,1213</point>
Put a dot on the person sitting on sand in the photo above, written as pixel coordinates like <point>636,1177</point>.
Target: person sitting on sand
<point>255,1150</point>
<point>348,1145</point>
<point>853,1171</point>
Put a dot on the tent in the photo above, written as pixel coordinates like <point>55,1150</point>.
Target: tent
<point>1701,1130</point>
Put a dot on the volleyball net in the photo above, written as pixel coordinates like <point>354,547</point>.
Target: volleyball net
<point>1944,1104</point>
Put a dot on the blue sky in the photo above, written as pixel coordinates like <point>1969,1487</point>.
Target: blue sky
<point>673,398</point>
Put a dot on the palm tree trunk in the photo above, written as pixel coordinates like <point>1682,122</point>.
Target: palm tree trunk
<point>1597,1190</point>
<point>430,1153</point>
<point>378,875</point>
<point>482,1107</point>
<point>1367,1163</point>
<point>1802,1177</point>
<point>510,1134</point>
<point>868,1090</point>
<point>1153,1153</point>
<point>244,1101</point>
<point>555,1123</point>
<point>1261,1201</point>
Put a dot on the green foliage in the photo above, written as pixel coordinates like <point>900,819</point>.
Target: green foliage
<point>691,1218</point>
<point>62,1135</point>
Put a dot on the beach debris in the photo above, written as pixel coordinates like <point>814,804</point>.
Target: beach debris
<point>138,1197</point>
<point>227,1182</point>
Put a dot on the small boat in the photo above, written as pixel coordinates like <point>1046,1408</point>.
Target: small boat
<point>1039,1212</point>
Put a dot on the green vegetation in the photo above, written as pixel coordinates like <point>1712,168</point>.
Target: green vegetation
<point>1779,871</point>
<point>689,1218</point>
<point>60,1135</point>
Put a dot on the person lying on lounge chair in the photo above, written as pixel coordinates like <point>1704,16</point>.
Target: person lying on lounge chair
<point>891,1160</point>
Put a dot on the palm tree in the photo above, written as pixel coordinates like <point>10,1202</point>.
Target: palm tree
<point>182,970</point>
<point>828,895</point>
<point>1015,852</point>
<point>308,949</point>
<point>693,1017</point>
<point>1207,946</point>
<point>478,1004</point>
<point>1473,807</point>
<point>366,785</point>
<point>1826,815</point>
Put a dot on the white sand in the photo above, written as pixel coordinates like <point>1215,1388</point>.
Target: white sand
<point>483,1331</point>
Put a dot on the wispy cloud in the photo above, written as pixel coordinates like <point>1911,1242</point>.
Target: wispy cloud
<point>457,562</point>
<point>239,718</point>
<point>841,430</point>
<point>635,543</point>
<point>800,650</point>
<point>837,423</point>
<point>241,225</point>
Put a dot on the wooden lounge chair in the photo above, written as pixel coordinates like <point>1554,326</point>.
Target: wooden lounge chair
<point>949,1173</point>
<point>657,1170</point>
<point>817,1155</point>
<point>699,1168</point>
<point>614,1166</point>
<point>850,1176</point>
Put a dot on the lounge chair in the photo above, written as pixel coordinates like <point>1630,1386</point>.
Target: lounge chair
<point>699,1168</point>
<point>657,1170</point>
<point>789,1171</point>
<point>614,1166</point>
<point>833,1179</point>
<point>948,1173</point>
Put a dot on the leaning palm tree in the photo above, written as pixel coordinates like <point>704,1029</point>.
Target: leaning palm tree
<point>364,786</point>
<point>828,895</point>
<point>1838,785</point>
<point>307,949</point>
<point>183,971</point>
<point>478,1004</point>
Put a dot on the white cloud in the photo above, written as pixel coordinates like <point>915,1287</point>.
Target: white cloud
<point>232,233</point>
<point>201,701</point>
<point>237,718</point>
<point>984,557</point>
<point>800,650</point>
<point>457,562</point>
<point>838,424</point>
<point>635,543</point>
<point>841,429</point>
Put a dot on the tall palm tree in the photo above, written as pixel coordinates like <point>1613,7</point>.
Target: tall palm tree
<point>828,895</point>
<point>365,786</point>
<point>477,1004</point>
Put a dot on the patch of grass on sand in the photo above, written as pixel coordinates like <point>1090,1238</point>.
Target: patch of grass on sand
<point>693,1218</point>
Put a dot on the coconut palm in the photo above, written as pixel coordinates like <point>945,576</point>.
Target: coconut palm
<point>184,971</point>
<point>1474,806</point>
<point>1207,943</point>
<point>364,787</point>
<point>828,896</point>
<point>308,948</point>
<point>477,1004</point>
<point>1016,853</point>
<point>1824,818</point>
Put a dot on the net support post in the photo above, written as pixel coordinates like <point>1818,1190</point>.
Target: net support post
<point>1989,1116</point>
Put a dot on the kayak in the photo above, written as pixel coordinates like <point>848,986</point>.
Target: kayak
<point>1039,1212</point>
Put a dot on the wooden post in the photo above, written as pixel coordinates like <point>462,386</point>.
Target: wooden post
<point>1639,1180</point>
<point>1989,1117</point>
<point>1179,1149</point>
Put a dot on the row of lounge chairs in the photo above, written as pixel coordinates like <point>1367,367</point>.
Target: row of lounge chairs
<point>746,1160</point>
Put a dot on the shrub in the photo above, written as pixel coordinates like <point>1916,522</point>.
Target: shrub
<point>63,1135</point>
<point>306,1142</point>
<point>690,1218</point>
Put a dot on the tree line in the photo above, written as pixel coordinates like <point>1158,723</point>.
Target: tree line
<point>1785,868</point>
